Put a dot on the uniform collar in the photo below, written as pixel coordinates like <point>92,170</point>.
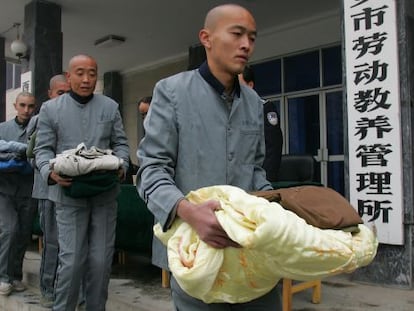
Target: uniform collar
<point>80,99</point>
<point>21,124</point>
<point>216,84</point>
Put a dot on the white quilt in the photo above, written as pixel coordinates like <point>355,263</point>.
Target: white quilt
<point>275,242</point>
<point>81,161</point>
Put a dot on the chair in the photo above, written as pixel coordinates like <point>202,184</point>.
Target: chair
<point>296,170</point>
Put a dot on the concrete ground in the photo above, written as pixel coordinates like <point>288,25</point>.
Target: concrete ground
<point>136,285</point>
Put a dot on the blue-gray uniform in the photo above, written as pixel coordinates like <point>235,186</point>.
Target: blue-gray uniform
<point>196,137</point>
<point>47,220</point>
<point>17,210</point>
<point>86,226</point>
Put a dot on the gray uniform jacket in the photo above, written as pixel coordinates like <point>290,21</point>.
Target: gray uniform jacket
<point>15,184</point>
<point>64,123</point>
<point>40,186</point>
<point>193,140</point>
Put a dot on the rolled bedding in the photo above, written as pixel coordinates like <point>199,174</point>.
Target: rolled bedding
<point>276,243</point>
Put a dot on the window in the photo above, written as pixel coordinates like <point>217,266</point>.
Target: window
<point>332,66</point>
<point>268,77</point>
<point>13,72</point>
<point>301,71</point>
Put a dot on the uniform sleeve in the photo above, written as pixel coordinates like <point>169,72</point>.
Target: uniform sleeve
<point>119,141</point>
<point>45,147</point>
<point>157,154</point>
<point>259,178</point>
<point>273,141</point>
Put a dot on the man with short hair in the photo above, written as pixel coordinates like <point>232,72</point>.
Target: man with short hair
<point>58,85</point>
<point>86,223</point>
<point>143,106</point>
<point>204,129</point>
<point>17,209</point>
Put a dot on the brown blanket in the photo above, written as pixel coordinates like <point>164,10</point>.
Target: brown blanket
<point>321,207</point>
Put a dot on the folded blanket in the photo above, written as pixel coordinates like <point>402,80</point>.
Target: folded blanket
<point>13,146</point>
<point>81,161</point>
<point>319,206</point>
<point>275,242</point>
<point>5,156</point>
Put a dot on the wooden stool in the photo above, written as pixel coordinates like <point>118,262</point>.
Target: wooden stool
<point>289,289</point>
<point>39,244</point>
<point>165,278</point>
<point>121,257</point>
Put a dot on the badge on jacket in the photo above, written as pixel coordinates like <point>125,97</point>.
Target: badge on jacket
<point>272,118</point>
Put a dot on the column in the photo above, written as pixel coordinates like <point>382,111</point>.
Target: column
<point>43,35</point>
<point>113,87</point>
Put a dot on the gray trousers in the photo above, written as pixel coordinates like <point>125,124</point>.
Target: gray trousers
<point>16,223</point>
<point>49,262</point>
<point>86,238</point>
<point>272,301</point>
<point>50,251</point>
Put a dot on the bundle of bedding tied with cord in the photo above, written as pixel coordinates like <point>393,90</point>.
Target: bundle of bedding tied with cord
<point>275,243</point>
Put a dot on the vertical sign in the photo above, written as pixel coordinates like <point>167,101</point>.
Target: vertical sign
<point>26,81</point>
<point>373,104</point>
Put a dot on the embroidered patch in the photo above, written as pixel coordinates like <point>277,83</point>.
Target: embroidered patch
<point>272,118</point>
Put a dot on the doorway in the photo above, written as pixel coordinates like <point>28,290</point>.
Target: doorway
<point>312,124</point>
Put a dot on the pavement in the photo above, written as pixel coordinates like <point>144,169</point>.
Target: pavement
<point>136,285</point>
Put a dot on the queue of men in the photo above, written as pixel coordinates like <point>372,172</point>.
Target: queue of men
<point>79,221</point>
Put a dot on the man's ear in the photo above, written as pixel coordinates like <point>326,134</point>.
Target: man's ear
<point>204,37</point>
<point>67,75</point>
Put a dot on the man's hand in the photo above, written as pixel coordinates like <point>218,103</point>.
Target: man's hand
<point>63,181</point>
<point>121,174</point>
<point>203,220</point>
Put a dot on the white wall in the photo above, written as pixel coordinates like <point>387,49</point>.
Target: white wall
<point>300,35</point>
<point>10,99</point>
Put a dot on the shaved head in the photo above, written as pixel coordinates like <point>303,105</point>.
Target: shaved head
<point>81,57</point>
<point>218,12</point>
<point>56,79</point>
<point>228,37</point>
<point>82,75</point>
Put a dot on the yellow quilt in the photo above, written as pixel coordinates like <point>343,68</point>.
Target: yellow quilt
<point>276,243</point>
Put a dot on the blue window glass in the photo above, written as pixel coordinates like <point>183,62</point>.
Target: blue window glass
<point>301,72</point>
<point>268,77</point>
<point>332,66</point>
<point>17,75</point>
<point>303,126</point>
<point>336,176</point>
<point>9,76</point>
<point>334,120</point>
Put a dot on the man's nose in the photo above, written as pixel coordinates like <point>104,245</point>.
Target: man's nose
<point>246,43</point>
<point>85,78</point>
